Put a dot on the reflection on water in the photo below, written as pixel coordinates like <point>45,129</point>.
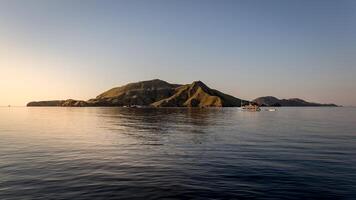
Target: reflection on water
<point>123,153</point>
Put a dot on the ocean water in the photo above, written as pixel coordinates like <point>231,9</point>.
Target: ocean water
<point>123,153</point>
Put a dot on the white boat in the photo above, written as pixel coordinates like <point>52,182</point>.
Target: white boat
<point>271,109</point>
<point>250,107</point>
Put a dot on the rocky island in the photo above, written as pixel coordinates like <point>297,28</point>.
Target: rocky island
<point>154,93</point>
<point>158,93</point>
<point>293,102</point>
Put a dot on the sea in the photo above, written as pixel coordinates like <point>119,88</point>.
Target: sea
<point>177,153</point>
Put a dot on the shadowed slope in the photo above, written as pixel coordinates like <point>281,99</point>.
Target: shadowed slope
<point>150,85</point>
<point>197,94</point>
<point>141,93</point>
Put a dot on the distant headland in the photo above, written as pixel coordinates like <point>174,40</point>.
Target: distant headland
<point>158,93</point>
<point>293,102</point>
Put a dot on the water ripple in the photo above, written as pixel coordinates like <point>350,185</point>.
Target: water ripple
<point>123,153</point>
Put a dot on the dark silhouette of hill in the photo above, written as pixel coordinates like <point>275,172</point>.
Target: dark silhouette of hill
<point>158,93</point>
<point>293,102</point>
<point>154,93</point>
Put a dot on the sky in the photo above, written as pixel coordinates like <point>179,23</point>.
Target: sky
<point>60,49</point>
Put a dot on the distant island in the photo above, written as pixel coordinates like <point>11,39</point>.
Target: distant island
<point>293,102</point>
<point>158,93</point>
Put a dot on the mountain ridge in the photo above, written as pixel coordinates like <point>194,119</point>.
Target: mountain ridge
<point>153,93</point>
<point>159,93</point>
<point>197,94</point>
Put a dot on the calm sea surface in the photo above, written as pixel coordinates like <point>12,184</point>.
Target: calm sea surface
<point>122,153</point>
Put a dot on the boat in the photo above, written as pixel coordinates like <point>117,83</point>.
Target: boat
<point>271,109</point>
<point>250,107</point>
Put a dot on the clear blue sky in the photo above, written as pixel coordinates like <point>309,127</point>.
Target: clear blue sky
<point>77,49</point>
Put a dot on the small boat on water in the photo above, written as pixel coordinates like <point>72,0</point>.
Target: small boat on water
<point>271,109</point>
<point>250,107</point>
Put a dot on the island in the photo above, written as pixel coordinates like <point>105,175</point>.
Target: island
<point>271,101</point>
<point>154,93</point>
<point>158,93</point>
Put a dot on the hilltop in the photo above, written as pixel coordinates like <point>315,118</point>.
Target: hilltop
<point>197,94</point>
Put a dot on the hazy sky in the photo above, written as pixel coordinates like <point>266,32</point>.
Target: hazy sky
<point>77,49</point>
